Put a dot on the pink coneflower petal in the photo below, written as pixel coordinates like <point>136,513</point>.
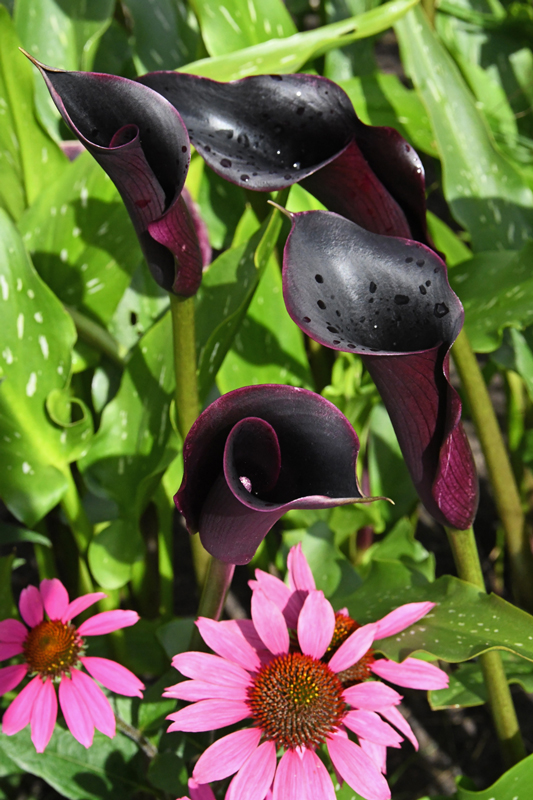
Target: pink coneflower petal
<point>75,711</point>
<point>107,622</point>
<point>201,690</point>
<point>210,668</point>
<point>316,625</point>
<point>113,676</point>
<point>357,769</point>
<point>43,715</point>
<point>412,673</point>
<point>318,784</point>
<point>300,575</point>
<point>209,715</point>
<point>228,644</point>
<point>11,677</point>
<point>100,711</point>
<point>31,606</point>
<point>9,650</point>
<point>227,755</point>
<point>80,604</point>
<point>401,618</point>
<point>12,631</point>
<point>270,623</point>
<point>290,777</point>
<point>369,725</point>
<point>198,791</point>
<point>354,648</point>
<point>18,714</point>
<point>377,752</point>
<point>54,597</point>
<point>273,587</point>
<point>254,778</point>
<point>245,629</point>
<point>399,721</point>
<point>371,696</point>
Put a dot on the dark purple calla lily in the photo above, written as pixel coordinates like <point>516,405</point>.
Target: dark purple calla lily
<point>389,300</point>
<point>266,132</point>
<point>254,454</point>
<point>140,140</point>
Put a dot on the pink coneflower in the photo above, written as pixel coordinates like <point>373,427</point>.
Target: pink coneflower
<point>53,651</point>
<point>198,792</point>
<point>289,678</point>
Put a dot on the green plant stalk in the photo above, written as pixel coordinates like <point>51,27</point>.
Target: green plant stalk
<point>81,528</point>
<point>45,561</point>
<point>165,546</point>
<point>466,559</point>
<point>99,338</point>
<point>216,585</point>
<point>506,495</point>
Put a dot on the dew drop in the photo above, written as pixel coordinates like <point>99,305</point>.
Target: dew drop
<point>440,310</point>
<point>319,279</point>
<point>372,288</point>
<point>287,177</point>
<point>207,148</point>
<point>336,341</point>
<point>408,260</point>
<point>331,329</point>
<point>420,263</point>
<point>428,283</point>
<point>321,304</point>
<point>401,299</point>
<point>296,165</point>
<point>225,163</point>
<point>351,345</point>
<point>307,319</point>
<point>423,290</point>
<point>183,149</point>
<point>243,140</point>
<point>338,313</point>
<point>436,270</point>
<point>245,178</point>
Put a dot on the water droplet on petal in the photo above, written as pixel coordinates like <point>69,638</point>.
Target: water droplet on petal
<point>401,299</point>
<point>440,310</point>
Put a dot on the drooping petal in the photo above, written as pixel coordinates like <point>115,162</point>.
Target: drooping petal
<point>11,677</point>
<point>201,690</point>
<point>300,576</point>
<point>80,604</point>
<point>75,711</point>
<point>113,676</point>
<point>207,715</point>
<point>318,446</point>
<point>389,300</point>
<point>399,721</point>
<point>226,755</point>
<point>371,696</point>
<point>107,621</point>
<point>55,597</point>
<point>377,752</point>
<point>368,725</point>
<point>270,623</point>
<point>357,769</point>
<point>18,714</point>
<point>290,777</point>
<point>316,625</point>
<point>210,668</point>
<point>98,706</point>
<point>12,631</point>
<point>31,606</point>
<point>44,715</point>
<point>199,791</point>
<point>402,617</point>
<point>412,673</point>
<point>228,644</point>
<point>254,778</point>
<point>318,784</point>
<point>354,648</point>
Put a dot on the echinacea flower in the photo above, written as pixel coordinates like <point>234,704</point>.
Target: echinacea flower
<point>388,299</point>
<point>254,454</point>
<point>54,652</point>
<point>140,140</point>
<point>198,792</point>
<point>289,682</point>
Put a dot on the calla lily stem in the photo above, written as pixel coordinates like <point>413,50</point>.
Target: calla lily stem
<point>466,558</point>
<point>81,528</point>
<point>216,585</point>
<point>506,494</point>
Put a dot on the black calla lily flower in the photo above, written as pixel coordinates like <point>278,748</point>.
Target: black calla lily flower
<point>254,454</point>
<point>140,140</point>
<point>267,132</point>
<point>389,300</point>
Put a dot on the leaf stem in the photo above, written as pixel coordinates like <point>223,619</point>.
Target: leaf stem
<point>466,559</point>
<point>506,495</point>
<point>98,337</point>
<point>187,398</point>
<point>81,528</point>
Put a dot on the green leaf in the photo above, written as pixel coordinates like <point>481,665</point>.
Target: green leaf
<point>132,448</point>
<point>447,241</point>
<point>290,54</point>
<point>13,534</point>
<point>175,636</point>
<point>486,193</point>
<point>516,354</point>
<point>168,772</point>
<point>401,545</point>
<point>467,685</point>
<point>226,292</point>
<point>496,290</point>
<point>164,37</point>
<point>62,35</point>
<point>29,159</point>
<point>515,784</point>
<point>221,206</point>
<point>106,771</point>
<point>268,347</point>
<point>7,606</point>
<point>140,306</point>
<point>464,623</point>
<point>82,240</point>
<point>242,23</point>
<point>38,336</point>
